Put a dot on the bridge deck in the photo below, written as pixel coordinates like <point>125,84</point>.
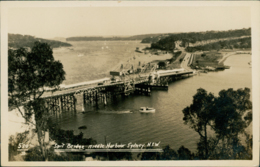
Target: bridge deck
<point>84,87</point>
<point>176,74</point>
<point>71,89</point>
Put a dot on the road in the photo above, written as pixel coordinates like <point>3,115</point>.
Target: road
<point>185,61</point>
<point>187,57</point>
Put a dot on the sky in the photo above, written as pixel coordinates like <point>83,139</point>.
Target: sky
<point>50,22</point>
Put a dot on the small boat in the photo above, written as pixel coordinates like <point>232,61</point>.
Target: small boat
<point>83,127</point>
<point>147,110</point>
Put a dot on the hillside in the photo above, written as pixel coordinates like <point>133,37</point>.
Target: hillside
<point>113,38</point>
<point>199,36</point>
<point>168,43</point>
<point>242,43</point>
<point>153,39</point>
<point>17,41</point>
<point>61,39</point>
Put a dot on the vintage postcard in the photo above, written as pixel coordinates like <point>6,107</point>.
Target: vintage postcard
<point>123,83</point>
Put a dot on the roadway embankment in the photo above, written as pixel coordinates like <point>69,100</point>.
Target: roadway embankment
<point>213,59</point>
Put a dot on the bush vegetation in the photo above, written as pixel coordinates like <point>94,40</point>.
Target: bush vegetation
<point>243,43</point>
<point>168,43</point>
<point>18,41</point>
<point>192,37</point>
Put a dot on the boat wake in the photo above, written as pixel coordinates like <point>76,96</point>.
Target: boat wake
<point>115,112</point>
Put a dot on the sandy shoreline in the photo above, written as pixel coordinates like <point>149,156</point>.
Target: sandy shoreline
<point>224,58</point>
<point>228,54</point>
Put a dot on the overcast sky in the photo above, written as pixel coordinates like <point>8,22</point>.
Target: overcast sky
<point>123,21</point>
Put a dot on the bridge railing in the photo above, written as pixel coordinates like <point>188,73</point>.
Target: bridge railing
<point>89,87</point>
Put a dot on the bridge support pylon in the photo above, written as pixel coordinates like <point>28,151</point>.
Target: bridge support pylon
<point>143,89</point>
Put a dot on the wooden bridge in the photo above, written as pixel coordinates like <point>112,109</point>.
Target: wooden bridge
<point>95,94</point>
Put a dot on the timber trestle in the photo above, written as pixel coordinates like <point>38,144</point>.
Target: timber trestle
<point>94,97</point>
<point>58,104</point>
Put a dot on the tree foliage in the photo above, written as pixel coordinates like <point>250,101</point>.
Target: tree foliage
<point>224,115</point>
<point>18,41</point>
<point>199,114</point>
<point>168,42</point>
<point>34,154</point>
<point>29,73</point>
<point>230,108</point>
<point>168,154</point>
<point>164,44</point>
<point>193,37</point>
<point>184,153</point>
<point>162,64</point>
<point>243,43</point>
<point>67,136</point>
<point>113,156</point>
<point>14,143</point>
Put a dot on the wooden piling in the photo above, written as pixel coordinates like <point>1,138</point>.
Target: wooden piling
<point>84,102</point>
<point>105,100</point>
<point>96,99</point>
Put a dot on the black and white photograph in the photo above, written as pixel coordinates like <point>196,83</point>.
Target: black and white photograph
<point>127,83</point>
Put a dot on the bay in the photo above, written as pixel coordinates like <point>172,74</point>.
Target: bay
<point>166,124</point>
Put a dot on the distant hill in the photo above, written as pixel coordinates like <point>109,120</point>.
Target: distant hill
<point>18,40</point>
<point>168,43</point>
<point>199,36</point>
<point>155,38</point>
<point>59,39</point>
<point>241,43</point>
<point>113,38</point>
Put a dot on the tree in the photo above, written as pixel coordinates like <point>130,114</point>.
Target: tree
<point>14,141</point>
<point>198,115</point>
<point>184,153</point>
<point>216,46</point>
<point>167,154</point>
<point>34,154</point>
<point>149,156</point>
<point>229,121</point>
<point>185,42</point>
<point>203,55</point>
<point>225,115</point>
<point>162,64</point>
<point>113,156</point>
<point>29,73</point>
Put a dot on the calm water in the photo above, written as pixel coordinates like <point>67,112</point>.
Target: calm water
<point>93,60</point>
<point>166,124</point>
